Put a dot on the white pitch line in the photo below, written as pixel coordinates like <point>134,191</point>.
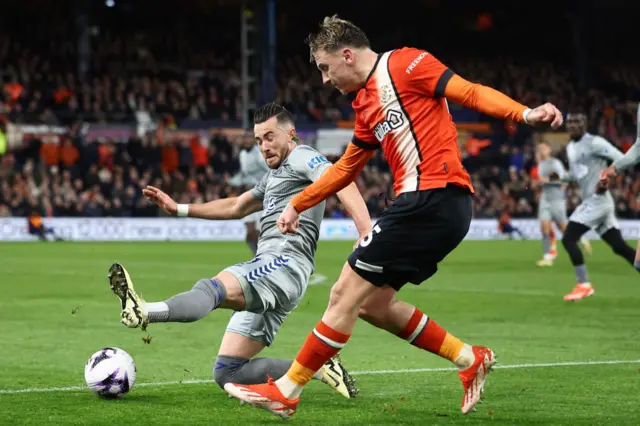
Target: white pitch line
<point>354,373</point>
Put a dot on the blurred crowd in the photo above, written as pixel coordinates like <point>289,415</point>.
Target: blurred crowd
<point>169,75</point>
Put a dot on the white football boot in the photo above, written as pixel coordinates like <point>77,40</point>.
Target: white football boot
<point>134,313</point>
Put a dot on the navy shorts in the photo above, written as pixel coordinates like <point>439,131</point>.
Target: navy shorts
<point>415,233</point>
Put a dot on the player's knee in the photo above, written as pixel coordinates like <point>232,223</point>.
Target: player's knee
<point>225,369</point>
<point>340,298</point>
<point>374,311</point>
<point>636,265</point>
<point>369,314</point>
<point>233,292</point>
<point>337,294</point>
<point>569,241</point>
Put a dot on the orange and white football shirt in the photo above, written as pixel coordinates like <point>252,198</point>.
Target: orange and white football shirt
<point>403,109</point>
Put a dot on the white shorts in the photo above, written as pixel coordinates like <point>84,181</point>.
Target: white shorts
<point>272,286</point>
<point>554,210</point>
<point>597,212</point>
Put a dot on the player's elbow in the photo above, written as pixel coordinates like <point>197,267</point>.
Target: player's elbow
<point>236,210</point>
<point>465,95</point>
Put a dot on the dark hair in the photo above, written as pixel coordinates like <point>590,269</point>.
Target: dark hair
<point>335,33</point>
<point>272,109</point>
<point>576,110</point>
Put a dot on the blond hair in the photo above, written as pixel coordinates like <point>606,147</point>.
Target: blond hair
<point>335,33</point>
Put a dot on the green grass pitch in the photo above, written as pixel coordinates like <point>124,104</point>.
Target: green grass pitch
<point>488,293</point>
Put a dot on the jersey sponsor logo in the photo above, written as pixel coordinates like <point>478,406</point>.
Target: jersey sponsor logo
<point>269,204</point>
<point>394,120</point>
<point>415,62</point>
<point>316,161</point>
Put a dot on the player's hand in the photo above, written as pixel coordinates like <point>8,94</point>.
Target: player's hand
<point>545,114</point>
<point>602,187</point>
<point>161,200</point>
<point>362,237</point>
<point>607,174</point>
<point>288,221</point>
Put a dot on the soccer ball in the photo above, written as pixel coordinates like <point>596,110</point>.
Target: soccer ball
<point>110,372</point>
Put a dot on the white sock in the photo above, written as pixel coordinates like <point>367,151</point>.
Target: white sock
<point>318,375</point>
<point>584,240</point>
<point>465,358</point>
<point>157,311</point>
<point>289,389</point>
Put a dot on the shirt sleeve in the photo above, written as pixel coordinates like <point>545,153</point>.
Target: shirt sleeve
<point>630,158</point>
<point>363,137</point>
<point>309,163</point>
<point>334,179</point>
<point>430,77</point>
<point>603,148</point>
<point>427,74</point>
<point>260,188</point>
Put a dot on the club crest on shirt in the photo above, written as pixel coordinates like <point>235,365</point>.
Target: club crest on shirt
<point>268,204</point>
<point>385,93</point>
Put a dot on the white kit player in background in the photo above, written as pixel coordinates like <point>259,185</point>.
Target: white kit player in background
<point>630,159</point>
<point>588,155</point>
<point>262,292</point>
<point>252,169</point>
<point>552,207</point>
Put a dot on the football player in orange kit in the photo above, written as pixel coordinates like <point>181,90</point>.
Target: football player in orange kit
<point>401,107</point>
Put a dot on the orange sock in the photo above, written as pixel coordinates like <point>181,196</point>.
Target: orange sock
<point>321,344</point>
<point>424,333</point>
<point>552,234</point>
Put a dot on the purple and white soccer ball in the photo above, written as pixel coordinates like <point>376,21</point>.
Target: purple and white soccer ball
<point>110,372</point>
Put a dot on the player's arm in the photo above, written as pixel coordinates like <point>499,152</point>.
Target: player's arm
<point>432,78</point>
<point>631,157</point>
<point>227,208</point>
<point>558,173</point>
<point>353,202</point>
<point>223,209</point>
<point>336,177</point>
<point>604,149</point>
<point>570,176</point>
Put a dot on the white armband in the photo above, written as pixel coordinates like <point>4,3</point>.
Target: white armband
<point>525,114</point>
<point>183,210</point>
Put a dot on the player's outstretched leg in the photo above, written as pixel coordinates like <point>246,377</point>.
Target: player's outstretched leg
<point>243,371</point>
<point>205,296</point>
<point>247,334</point>
<point>281,397</point>
<point>382,310</point>
<point>614,239</point>
<point>572,235</point>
